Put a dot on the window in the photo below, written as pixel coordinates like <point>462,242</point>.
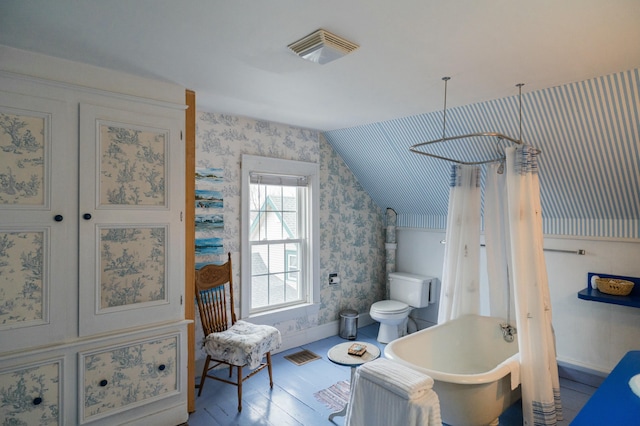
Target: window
<point>280,250</point>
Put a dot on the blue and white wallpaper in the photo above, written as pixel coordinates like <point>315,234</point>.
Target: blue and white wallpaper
<point>132,265</point>
<point>22,281</point>
<point>351,225</point>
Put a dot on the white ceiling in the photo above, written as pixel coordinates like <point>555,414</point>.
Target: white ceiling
<point>233,53</point>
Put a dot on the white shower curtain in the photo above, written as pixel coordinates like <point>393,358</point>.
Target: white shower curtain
<point>525,266</point>
<point>496,238</point>
<point>460,287</point>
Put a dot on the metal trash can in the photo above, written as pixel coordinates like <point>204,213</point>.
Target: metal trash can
<point>349,324</point>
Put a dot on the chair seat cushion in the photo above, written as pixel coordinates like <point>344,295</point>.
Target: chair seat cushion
<point>243,343</point>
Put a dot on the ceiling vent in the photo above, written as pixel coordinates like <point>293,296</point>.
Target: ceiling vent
<point>321,46</point>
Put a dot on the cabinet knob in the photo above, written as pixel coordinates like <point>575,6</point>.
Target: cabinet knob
<point>103,383</point>
<point>58,218</point>
<point>37,401</point>
<point>161,367</point>
<point>86,216</point>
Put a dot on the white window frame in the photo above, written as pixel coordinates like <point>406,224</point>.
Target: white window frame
<point>255,164</point>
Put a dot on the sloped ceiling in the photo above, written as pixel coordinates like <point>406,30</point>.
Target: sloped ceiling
<point>589,168</point>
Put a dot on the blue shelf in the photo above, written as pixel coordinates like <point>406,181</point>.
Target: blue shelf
<point>633,299</point>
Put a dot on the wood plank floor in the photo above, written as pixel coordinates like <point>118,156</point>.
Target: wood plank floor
<point>292,401</point>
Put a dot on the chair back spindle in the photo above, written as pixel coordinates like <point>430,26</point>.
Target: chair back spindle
<point>211,295</point>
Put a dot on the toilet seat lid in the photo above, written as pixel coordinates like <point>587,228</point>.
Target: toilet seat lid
<point>389,306</point>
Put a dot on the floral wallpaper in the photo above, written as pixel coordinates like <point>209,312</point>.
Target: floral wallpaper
<point>116,378</point>
<point>132,166</point>
<point>22,185</point>
<point>22,164</point>
<point>351,225</point>
<point>31,396</point>
<point>132,265</point>
<point>21,277</point>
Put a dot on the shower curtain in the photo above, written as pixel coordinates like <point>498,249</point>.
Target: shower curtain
<point>515,267</point>
<point>496,238</point>
<point>460,287</point>
<point>515,253</point>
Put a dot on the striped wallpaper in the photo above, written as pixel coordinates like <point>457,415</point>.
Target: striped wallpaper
<point>589,134</point>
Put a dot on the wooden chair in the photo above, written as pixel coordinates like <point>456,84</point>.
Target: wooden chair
<point>227,341</point>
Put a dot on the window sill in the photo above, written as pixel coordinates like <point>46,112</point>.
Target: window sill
<point>284,314</point>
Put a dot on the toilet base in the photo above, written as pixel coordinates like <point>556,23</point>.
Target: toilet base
<point>390,332</point>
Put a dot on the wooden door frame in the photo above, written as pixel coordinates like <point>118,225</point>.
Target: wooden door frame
<point>189,224</point>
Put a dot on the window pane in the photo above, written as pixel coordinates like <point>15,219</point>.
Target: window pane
<point>290,211</point>
<point>276,289</point>
<point>276,258</point>
<point>259,291</point>
<point>273,225</point>
<point>259,259</point>
<point>292,286</point>
<point>290,222</point>
<point>254,228</point>
<point>289,192</point>
<point>292,253</point>
<point>256,197</point>
<point>274,198</point>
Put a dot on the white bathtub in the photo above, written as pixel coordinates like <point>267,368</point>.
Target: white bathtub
<point>470,363</point>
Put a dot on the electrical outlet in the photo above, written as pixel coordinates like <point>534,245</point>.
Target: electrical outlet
<point>333,279</point>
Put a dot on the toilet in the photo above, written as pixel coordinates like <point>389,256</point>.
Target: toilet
<point>407,291</point>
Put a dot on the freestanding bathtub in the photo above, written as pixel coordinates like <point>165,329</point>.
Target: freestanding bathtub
<point>471,365</point>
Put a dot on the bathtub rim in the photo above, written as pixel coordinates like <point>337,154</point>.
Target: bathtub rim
<point>490,376</point>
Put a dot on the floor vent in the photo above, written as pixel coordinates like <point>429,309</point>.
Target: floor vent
<point>302,357</point>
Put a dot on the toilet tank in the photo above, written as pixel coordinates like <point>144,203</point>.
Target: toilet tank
<point>414,290</point>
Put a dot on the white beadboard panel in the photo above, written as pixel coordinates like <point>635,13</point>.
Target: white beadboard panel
<point>588,132</point>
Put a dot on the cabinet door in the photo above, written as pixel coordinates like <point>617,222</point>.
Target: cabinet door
<point>31,395</point>
<point>131,203</point>
<point>128,376</point>
<point>38,222</point>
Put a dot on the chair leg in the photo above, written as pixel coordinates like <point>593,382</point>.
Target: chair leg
<point>239,388</point>
<point>269,368</point>
<point>204,374</point>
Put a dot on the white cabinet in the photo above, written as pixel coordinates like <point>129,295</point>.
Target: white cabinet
<point>91,256</point>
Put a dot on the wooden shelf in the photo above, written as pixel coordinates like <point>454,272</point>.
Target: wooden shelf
<point>633,299</point>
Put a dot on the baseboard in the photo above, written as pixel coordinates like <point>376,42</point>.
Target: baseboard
<point>173,415</point>
<point>581,374</point>
<point>308,335</point>
<point>303,337</point>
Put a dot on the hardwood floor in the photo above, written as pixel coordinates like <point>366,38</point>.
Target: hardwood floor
<point>292,401</point>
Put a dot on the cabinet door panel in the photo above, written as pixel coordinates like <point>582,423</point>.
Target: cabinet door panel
<point>132,266</point>
<point>24,282</point>
<point>31,394</point>
<point>128,376</point>
<point>38,267</point>
<point>132,165</point>
<point>131,244</point>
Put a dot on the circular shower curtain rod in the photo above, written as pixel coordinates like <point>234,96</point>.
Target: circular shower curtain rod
<point>500,136</point>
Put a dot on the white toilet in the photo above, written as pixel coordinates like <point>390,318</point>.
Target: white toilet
<point>407,291</point>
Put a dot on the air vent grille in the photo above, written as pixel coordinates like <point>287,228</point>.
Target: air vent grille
<point>322,46</point>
